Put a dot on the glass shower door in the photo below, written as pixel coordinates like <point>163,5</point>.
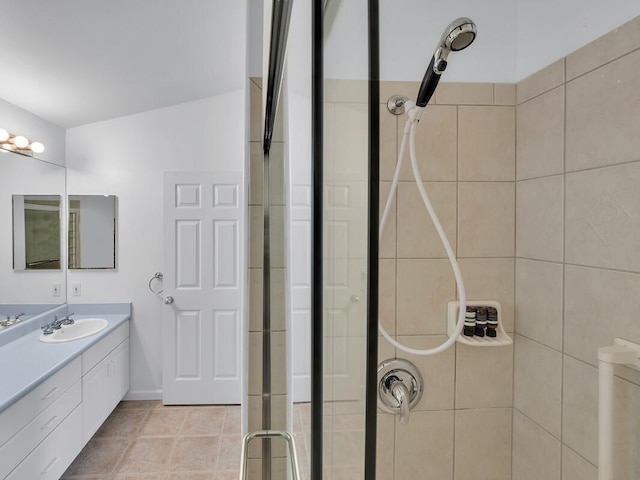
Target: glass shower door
<point>346,313</point>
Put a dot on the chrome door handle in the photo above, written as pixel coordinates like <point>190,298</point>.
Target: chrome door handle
<point>168,300</point>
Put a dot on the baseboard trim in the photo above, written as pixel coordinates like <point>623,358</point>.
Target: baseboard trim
<point>143,395</point>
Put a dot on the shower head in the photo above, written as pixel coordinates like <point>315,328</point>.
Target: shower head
<point>458,35</point>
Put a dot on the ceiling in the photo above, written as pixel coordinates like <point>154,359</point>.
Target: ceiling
<point>74,62</point>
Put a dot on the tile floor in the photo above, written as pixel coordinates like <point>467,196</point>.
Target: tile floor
<point>146,440</point>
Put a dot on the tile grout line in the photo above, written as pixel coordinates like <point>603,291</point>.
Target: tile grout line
<point>564,259</point>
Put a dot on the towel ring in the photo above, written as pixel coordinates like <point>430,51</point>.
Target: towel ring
<point>156,276</point>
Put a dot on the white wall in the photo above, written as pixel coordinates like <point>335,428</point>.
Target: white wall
<point>20,122</point>
<point>515,38</point>
<point>410,30</point>
<point>547,30</point>
<point>127,157</point>
<point>256,15</point>
<point>20,175</point>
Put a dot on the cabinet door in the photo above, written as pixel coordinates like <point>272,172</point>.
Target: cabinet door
<point>103,387</point>
<point>119,373</point>
<point>96,401</point>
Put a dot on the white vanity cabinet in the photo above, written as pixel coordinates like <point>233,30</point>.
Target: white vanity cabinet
<point>105,379</point>
<point>29,421</point>
<point>43,432</point>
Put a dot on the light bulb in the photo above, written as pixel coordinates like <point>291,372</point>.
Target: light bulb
<point>4,135</point>
<point>21,142</point>
<point>37,147</point>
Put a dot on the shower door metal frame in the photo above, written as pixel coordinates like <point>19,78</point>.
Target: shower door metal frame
<point>280,19</point>
<point>317,277</point>
<point>317,377</point>
<point>374,244</point>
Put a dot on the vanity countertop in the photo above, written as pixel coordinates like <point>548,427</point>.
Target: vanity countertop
<point>27,362</point>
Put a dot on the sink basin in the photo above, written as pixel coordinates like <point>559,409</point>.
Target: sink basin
<point>80,329</point>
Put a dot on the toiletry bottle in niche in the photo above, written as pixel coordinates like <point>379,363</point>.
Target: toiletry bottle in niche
<point>492,322</point>
<point>469,322</point>
<point>481,321</point>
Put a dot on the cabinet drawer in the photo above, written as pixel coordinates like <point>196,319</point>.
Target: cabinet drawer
<point>52,457</point>
<point>24,410</point>
<point>12,452</point>
<point>92,357</point>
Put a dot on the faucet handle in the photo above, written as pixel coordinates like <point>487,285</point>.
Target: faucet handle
<point>401,394</point>
<point>400,387</point>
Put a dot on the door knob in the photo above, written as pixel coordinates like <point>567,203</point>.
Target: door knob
<point>168,300</point>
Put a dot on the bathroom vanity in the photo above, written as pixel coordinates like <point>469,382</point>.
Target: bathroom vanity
<point>55,396</point>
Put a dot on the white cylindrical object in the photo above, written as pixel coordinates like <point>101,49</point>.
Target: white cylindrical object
<point>605,420</point>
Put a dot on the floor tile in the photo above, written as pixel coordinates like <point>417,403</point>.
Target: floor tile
<point>229,452</point>
<point>164,422</point>
<point>145,440</point>
<point>232,420</point>
<point>204,421</point>
<point>148,454</point>
<point>98,457</point>
<point>194,454</point>
<point>123,423</point>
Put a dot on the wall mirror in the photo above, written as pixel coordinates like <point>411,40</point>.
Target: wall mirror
<point>28,179</point>
<point>92,232</point>
<point>36,232</point>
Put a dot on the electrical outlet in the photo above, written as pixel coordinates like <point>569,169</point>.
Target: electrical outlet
<point>76,290</point>
<point>55,290</point>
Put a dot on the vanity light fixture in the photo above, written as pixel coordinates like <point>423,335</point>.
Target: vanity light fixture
<point>19,144</point>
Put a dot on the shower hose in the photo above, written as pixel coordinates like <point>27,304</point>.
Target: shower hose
<point>413,117</point>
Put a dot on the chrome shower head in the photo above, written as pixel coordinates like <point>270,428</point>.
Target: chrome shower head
<point>458,35</point>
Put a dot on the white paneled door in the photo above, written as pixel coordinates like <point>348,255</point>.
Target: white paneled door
<point>300,287</point>
<point>203,274</point>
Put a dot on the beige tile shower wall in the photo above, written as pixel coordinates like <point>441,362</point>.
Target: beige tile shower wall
<point>578,257</point>
<point>278,341</point>
<point>461,429</point>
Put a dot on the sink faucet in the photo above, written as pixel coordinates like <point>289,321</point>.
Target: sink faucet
<point>57,324</point>
<point>67,320</point>
<point>8,322</point>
